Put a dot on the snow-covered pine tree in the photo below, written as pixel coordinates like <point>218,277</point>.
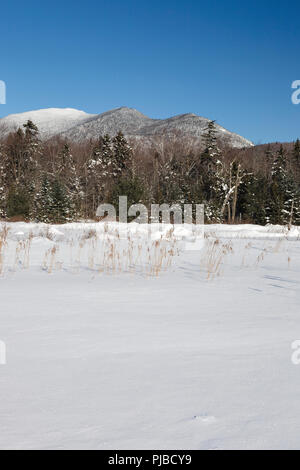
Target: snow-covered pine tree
<point>20,165</point>
<point>23,151</point>
<point>66,171</point>
<point>210,171</point>
<point>62,204</point>
<point>43,202</point>
<point>105,157</point>
<point>283,196</point>
<point>99,173</point>
<point>100,165</point>
<point>31,132</point>
<point>124,181</point>
<point>277,196</point>
<point>212,151</point>
<point>24,164</point>
<point>169,182</point>
<point>31,154</point>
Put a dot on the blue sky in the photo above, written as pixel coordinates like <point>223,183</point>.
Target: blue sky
<point>226,60</point>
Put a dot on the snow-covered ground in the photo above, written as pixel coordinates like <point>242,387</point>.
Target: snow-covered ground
<point>118,340</point>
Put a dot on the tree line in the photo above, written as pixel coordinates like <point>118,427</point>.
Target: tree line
<point>47,182</point>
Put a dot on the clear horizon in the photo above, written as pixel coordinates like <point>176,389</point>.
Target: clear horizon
<point>225,61</point>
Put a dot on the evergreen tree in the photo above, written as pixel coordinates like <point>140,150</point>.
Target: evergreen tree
<point>122,160</point>
<point>214,184</point>
<point>172,184</point>
<point>206,176</point>
<point>21,169</point>
<point>100,165</point>
<point>212,152</point>
<point>100,173</point>
<point>66,171</point>
<point>52,202</point>
<point>132,187</point>
<point>62,206</point>
<point>296,159</point>
<point>253,198</point>
<point>31,132</point>
<point>296,152</point>
<point>31,153</point>
<point>43,201</point>
<point>18,202</point>
<point>283,198</point>
<point>104,156</point>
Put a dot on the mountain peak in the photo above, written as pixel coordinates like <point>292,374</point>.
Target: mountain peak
<point>126,110</point>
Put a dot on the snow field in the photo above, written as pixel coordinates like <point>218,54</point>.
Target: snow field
<point>181,350</point>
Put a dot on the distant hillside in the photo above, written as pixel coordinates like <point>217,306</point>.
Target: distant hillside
<point>79,126</point>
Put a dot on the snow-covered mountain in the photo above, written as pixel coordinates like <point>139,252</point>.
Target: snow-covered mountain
<point>50,121</point>
<point>79,126</point>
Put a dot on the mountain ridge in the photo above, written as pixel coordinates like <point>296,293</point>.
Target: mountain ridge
<point>76,125</point>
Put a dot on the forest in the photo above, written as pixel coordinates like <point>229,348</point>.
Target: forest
<point>57,181</point>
